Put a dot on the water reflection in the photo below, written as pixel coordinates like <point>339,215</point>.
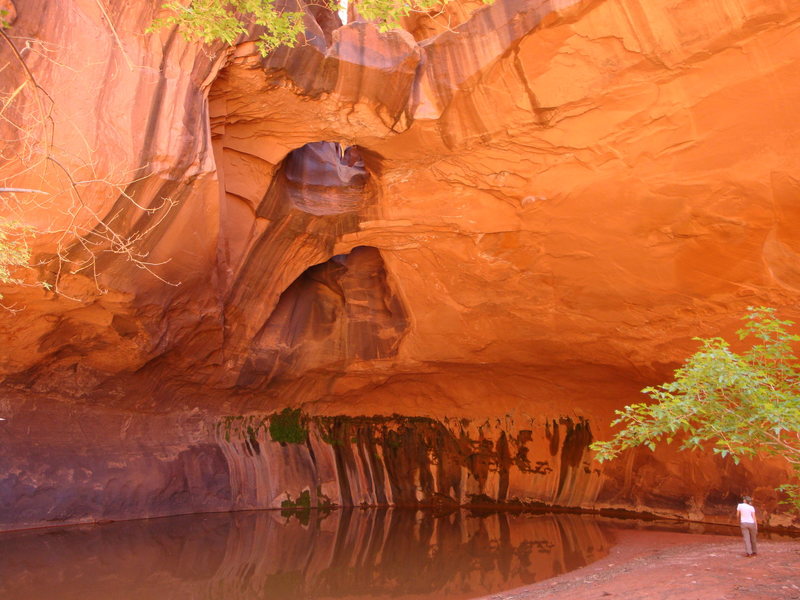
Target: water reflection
<point>269,556</point>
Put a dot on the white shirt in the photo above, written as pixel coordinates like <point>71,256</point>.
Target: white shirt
<point>747,513</point>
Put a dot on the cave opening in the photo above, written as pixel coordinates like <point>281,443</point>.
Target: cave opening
<point>343,310</point>
<point>326,178</point>
<point>293,254</point>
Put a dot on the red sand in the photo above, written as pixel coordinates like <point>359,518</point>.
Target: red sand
<point>647,565</point>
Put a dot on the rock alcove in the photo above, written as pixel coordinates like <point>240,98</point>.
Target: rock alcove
<point>354,236</point>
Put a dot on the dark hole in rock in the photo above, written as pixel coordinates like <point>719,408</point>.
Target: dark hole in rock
<point>326,178</point>
<point>342,310</point>
<point>327,19</point>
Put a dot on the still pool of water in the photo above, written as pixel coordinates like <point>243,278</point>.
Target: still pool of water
<point>375,553</point>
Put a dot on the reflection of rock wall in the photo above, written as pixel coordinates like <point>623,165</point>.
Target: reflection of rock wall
<point>346,553</point>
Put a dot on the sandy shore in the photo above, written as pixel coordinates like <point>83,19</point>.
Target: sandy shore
<point>655,565</point>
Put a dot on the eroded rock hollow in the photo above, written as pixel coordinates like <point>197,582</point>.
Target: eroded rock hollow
<point>454,248</point>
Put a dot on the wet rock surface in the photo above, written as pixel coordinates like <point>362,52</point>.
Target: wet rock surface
<point>94,468</point>
<point>72,465</point>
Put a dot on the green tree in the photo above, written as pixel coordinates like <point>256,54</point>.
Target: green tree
<point>226,20</point>
<point>212,20</point>
<point>741,405</point>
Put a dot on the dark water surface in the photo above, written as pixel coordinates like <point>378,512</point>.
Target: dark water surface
<point>375,553</point>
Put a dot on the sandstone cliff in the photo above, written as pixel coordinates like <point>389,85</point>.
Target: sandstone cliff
<point>519,220</point>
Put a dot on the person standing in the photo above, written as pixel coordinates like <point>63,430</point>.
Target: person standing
<point>747,521</point>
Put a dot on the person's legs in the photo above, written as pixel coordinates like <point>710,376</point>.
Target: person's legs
<point>746,536</point>
<point>753,535</point>
<point>749,535</point>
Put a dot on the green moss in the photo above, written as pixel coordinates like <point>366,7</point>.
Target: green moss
<point>303,501</point>
<point>243,428</point>
<point>231,426</point>
<point>326,433</point>
<point>393,441</point>
<point>481,499</point>
<point>300,508</point>
<point>288,427</point>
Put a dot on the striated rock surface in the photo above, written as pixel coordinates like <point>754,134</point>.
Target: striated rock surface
<point>524,218</point>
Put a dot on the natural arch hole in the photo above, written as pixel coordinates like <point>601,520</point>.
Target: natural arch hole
<point>343,310</point>
<point>326,178</point>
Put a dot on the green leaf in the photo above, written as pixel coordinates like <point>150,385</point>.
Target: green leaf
<point>215,20</point>
<point>745,404</point>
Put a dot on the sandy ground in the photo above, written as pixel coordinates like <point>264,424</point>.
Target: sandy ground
<point>653,565</point>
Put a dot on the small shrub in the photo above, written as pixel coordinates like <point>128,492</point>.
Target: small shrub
<point>303,501</point>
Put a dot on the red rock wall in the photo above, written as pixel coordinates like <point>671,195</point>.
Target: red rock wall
<point>528,216</point>
<point>67,464</point>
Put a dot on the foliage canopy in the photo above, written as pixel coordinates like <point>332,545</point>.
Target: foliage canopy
<point>741,404</point>
<point>226,20</point>
<point>212,20</point>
